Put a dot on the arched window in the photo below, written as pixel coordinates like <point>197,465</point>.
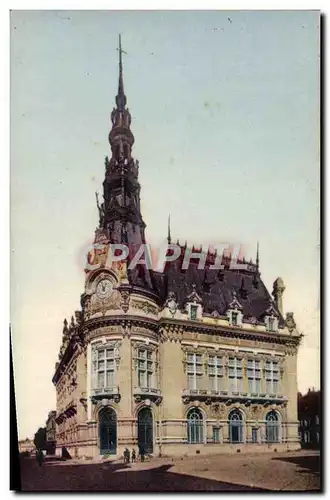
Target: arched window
<point>235,427</point>
<point>195,426</point>
<point>272,427</point>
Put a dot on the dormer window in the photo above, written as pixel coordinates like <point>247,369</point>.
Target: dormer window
<point>235,317</point>
<point>194,306</point>
<point>271,323</point>
<point>234,312</point>
<point>271,319</point>
<point>193,312</point>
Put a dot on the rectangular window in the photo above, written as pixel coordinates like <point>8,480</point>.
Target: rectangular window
<point>272,377</point>
<point>235,375</point>
<point>193,312</point>
<point>254,376</point>
<point>145,368</point>
<point>234,318</point>
<point>194,371</point>
<point>105,368</point>
<point>215,372</point>
<point>142,378</point>
<point>216,435</point>
<point>254,435</point>
<point>271,324</point>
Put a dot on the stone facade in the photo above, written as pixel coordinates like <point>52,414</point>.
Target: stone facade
<point>175,363</point>
<point>170,342</point>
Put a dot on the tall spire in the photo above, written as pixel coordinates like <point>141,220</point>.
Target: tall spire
<point>169,230</point>
<point>121,98</point>
<point>256,272</point>
<point>121,218</point>
<point>257,258</point>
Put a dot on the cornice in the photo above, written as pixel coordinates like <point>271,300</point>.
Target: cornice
<point>126,322</point>
<point>239,333</point>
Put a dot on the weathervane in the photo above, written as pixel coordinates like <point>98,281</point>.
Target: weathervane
<point>121,98</point>
<point>120,50</point>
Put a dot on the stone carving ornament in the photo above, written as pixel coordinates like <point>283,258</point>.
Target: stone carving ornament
<point>218,410</point>
<point>290,322</point>
<point>171,303</point>
<point>117,353</point>
<point>125,301</point>
<point>145,306</point>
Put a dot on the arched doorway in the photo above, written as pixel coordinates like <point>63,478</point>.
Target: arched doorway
<point>145,430</point>
<point>108,431</point>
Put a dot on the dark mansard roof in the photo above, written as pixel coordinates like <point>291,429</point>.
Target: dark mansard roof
<point>216,288</point>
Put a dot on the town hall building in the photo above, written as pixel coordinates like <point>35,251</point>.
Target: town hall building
<point>171,362</point>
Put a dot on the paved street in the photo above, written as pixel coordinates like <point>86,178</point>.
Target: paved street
<point>296,471</point>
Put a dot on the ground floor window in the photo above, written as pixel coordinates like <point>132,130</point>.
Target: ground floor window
<point>195,426</point>
<point>272,427</point>
<point>254,435</point>
<point>235,427</point>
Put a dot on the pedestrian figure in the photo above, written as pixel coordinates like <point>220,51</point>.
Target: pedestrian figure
<point>142,452</point>
<point>126,456</point>
<point>39,457</point>
<point>133,456</point>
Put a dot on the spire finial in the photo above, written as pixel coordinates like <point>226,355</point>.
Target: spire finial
<point>121,98</point>
<point>169,229</point>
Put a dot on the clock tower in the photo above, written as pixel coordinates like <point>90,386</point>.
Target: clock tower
<point>120,218</point>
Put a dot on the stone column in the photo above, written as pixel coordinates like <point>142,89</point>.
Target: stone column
<point>225,431</point>
<point>172,383</point>
<point>290,380</point>
<point>125,406</point>
<point>88,383</point>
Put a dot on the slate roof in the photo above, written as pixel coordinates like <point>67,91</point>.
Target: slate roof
<point>215,287</point>
<point>215,290</point>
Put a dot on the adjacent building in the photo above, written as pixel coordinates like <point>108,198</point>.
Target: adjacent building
<point>309,413</point>
<point>51,433</point>
<point>177,362</point>
<point>26,445</point>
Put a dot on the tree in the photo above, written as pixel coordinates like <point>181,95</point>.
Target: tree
<point>40,440</point>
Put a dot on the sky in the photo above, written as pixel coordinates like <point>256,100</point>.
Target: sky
<point>225,114</point>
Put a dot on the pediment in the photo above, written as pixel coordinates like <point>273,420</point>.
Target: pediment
<point>235,303</point>
<point>193,297</point>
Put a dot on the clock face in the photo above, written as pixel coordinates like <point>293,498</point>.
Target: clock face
<point>104,289</point>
